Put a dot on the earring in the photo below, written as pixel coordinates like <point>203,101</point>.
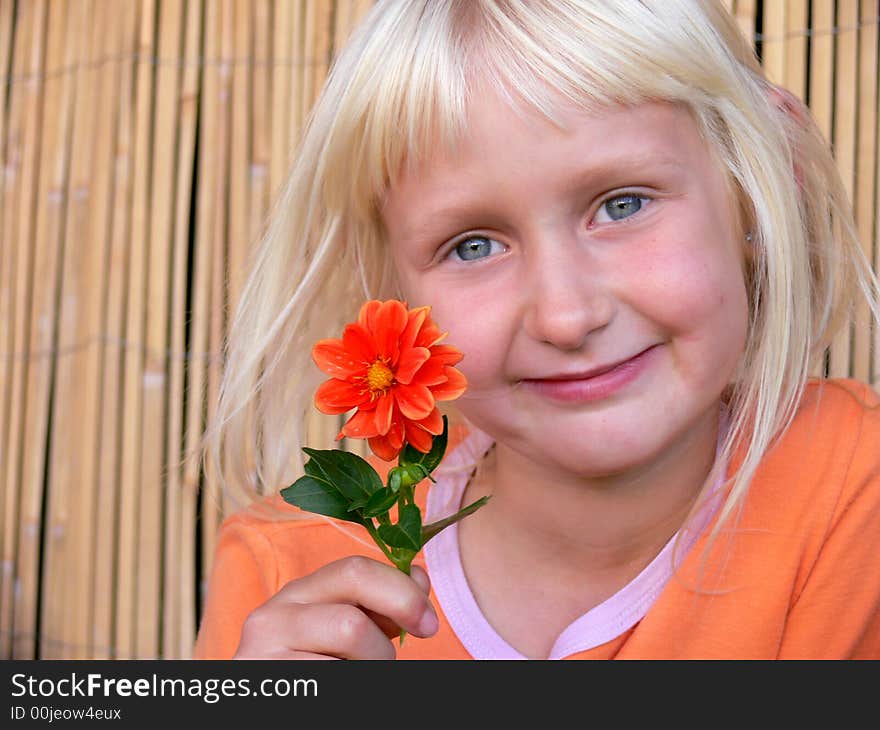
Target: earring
<point>749,237</point>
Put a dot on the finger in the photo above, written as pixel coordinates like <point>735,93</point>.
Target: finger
<point>280,628</point>
<point>420,576</point>
<point>377,587</point>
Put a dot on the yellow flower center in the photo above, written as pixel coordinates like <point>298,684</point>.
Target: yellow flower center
<point>379,376</point>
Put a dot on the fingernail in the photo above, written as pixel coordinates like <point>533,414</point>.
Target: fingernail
<point>429,622</point>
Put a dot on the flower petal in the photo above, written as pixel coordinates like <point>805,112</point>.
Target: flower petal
<point>432,372</point>
<point>418,438</point>
<point>397,431</point>
<point>414,324</point>
<point>367,315</point>
<point>338,396</point>
<point>382,447</point>
<point>415,401</point>
<point>335,359</point>
<point>359,343</point>
<point>382,414</point>
<point>433,424</point>
<point>410,361</point>
<point>447,353</point>
<point>452,388</point>
<point>429,335</point>
<point>390,322</point>
<point>361,425</point>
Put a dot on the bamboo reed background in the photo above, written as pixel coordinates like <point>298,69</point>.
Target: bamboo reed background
<point>142,142</point>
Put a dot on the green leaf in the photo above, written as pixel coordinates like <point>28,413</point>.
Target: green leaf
<point>313,496</point>
<point>347,473</point>
<point>430,460</point>
<point>428,531</point>
<point>380,503</point>
<point>407,533</point>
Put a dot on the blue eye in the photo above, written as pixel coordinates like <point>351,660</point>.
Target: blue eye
<point>621,206</point>
<point>473,248</point>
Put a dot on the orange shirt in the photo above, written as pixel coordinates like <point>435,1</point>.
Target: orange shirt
<point>798,578</point>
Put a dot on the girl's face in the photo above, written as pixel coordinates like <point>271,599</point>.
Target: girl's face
<point>548,253</point>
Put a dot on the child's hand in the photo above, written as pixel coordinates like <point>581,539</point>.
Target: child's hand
<point>349,609</point>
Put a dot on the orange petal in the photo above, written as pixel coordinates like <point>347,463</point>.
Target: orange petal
<point>335,359</point>
<point>452,388</point>
<point>432,372</point>
<point>367,315</point>
<point>429,335</point>
<point>390,322</point>
<point>418,438</point>
<point>448,354</point>
<point>382,414</point>
<point>382,448</point>
<point>416,319</point>
<point>359,343</point>
<point>415,401</point>
<point>338,396</point>
<point>361,425</point>
<point>396,433</point>
<point>433,423</point>
<point>410,362</point>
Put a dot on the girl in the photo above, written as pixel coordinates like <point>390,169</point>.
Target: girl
<point>643,249</point>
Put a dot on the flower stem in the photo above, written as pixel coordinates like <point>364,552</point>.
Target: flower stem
<point>371,528</point>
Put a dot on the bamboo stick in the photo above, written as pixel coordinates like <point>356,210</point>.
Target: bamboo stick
<point>221,309</point>
<point>54,160</point>
<point>322,48</point>
<point>845,83</point>
<point>821,92</point>
<point>194,476</point>
<point>261,138</point>
<point>20,179</point>
<point>74,421</point>
<point>774,45</point>
<point>154,383</point>
<point>866,161</point>
<point>281,69</point>
<point>117,111</point>
<point>239,150</point>
<point>297,60</point>
<point>208,176</point>
<point>746,12</point>
<point>127,568</point>
<point>796,48</point>
<point>179,618</point>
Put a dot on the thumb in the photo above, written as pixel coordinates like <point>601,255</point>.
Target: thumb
<point>420,576</point>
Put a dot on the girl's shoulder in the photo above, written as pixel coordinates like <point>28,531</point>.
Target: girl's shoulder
<point>827,461</point>
<point>836,409</point>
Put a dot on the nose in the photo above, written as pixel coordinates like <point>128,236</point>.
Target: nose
<point>566,298</point>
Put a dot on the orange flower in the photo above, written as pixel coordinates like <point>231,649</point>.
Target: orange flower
<point>390,367</point>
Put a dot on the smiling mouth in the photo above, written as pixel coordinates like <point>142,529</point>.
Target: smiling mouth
<point>594,385</point>
<point>587,374</point>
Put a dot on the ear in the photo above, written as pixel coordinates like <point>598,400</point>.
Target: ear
<point>797,112</point>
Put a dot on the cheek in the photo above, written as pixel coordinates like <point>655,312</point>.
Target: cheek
<point>696,295</point>
<point>691,290</point>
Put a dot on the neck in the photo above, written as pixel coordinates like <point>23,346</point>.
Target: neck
<point>607,525</point>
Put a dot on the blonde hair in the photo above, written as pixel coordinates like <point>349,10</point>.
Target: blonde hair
<point>401,87</point>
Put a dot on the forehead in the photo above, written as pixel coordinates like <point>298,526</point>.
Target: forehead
<point>503,141</point>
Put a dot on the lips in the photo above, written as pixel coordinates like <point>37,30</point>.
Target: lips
<point>587,374</point>
<point>596,384</point>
